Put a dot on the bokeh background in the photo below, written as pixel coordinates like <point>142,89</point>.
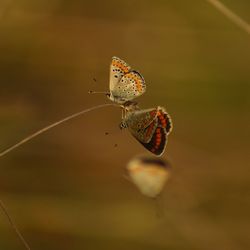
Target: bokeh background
<point>65,189</point>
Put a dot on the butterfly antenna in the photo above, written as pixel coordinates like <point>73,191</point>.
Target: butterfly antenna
<point>98,92</point>
<point>41,131</point>
<point>13,225</point>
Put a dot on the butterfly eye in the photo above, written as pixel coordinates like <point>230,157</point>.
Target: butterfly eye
<point>123,125</point>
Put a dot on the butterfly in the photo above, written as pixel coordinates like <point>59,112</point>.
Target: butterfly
<point>150,127</point>
<point>125,84</point>
<point>149,174</point>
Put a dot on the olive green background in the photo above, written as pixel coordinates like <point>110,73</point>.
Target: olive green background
<point>65,189</point>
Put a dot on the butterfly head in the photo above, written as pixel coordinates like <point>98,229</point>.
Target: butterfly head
<point>108,96</point>
<point>123,125</point>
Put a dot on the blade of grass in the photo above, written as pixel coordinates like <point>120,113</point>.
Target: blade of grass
<point>41,131</point>
<point>236,19</point>
<point>13,225</point>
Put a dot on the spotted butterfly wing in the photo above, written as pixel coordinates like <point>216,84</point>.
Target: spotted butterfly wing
<point>142,123</point>
<point>130,86</point>
<point>164,120</point>
<point>125,83</point>
<point>151,133</point>
<point>158,142</point>
<point>118,69</point>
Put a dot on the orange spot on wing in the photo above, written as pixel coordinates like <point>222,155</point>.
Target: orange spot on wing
<point>158,135</point>
<point>121,66</point>
<point>139,88</point>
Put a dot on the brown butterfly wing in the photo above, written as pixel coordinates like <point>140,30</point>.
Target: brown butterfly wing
<point>164,120</point>
<point>158,142</point>
<point>142,124</point>
<point>153,136</point>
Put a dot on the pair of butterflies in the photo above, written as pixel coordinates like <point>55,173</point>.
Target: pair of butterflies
<point>149,126</point>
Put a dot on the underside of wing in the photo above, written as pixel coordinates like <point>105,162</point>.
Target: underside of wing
<point>142,124</point>
<point>140,119</point>
<point>150,127</point>
<point>158,142</point>
<point>118,69</point>
<point>130,86</point>
<point>164,119</point>
<point>144,135</point>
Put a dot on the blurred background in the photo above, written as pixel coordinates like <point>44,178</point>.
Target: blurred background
<point>65,189</point>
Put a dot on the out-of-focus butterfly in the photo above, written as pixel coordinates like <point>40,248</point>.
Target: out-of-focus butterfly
<point>149,174</point>
<point>125,84</point>
<point>150,127</point>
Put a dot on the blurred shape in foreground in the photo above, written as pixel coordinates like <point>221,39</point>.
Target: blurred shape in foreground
<point>149,174</point>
